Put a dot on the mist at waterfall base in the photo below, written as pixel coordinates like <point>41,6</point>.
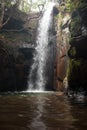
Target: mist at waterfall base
<point>42,67</point>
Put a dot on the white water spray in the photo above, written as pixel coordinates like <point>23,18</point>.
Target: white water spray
<point>37,71</point>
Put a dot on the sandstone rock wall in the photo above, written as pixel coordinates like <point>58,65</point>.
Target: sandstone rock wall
<point>62,48</point>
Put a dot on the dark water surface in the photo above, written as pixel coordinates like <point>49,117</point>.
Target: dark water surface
<point>46,111</point>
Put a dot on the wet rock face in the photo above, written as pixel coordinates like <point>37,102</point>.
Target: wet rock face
<point>61,65</point>
<point>78,48</point>
<point>55,10</point>
<point>23,62</point>
<point>7,72</point>
<point>14,70</point>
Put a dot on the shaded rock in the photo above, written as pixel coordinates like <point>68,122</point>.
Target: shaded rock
<point>16,52</point>
<point>77,75</point>
<point>55,10</point>
<point>78,48</point>
<point>7,71</point>
<point>77,71</point>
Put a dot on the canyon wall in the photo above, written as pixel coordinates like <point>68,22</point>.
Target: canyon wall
<point>77,71</point>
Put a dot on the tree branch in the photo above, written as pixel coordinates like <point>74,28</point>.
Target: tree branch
<point>6,21</point>
<point>19,30</point>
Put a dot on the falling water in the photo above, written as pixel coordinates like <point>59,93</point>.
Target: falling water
<point>37,78</point>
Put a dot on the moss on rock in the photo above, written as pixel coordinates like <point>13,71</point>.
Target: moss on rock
<point>77,74</point>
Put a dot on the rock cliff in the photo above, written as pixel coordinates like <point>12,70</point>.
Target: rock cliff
<point>77,71</point>
<point>17,40</point>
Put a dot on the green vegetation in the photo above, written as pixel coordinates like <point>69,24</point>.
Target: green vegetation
<point>73,51</point>
<point>73,73</point>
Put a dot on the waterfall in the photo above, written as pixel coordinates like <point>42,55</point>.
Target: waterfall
<point>37,78</point>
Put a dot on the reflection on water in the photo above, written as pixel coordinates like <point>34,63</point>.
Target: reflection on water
<point>37,123</point>
<point>43,111</point>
